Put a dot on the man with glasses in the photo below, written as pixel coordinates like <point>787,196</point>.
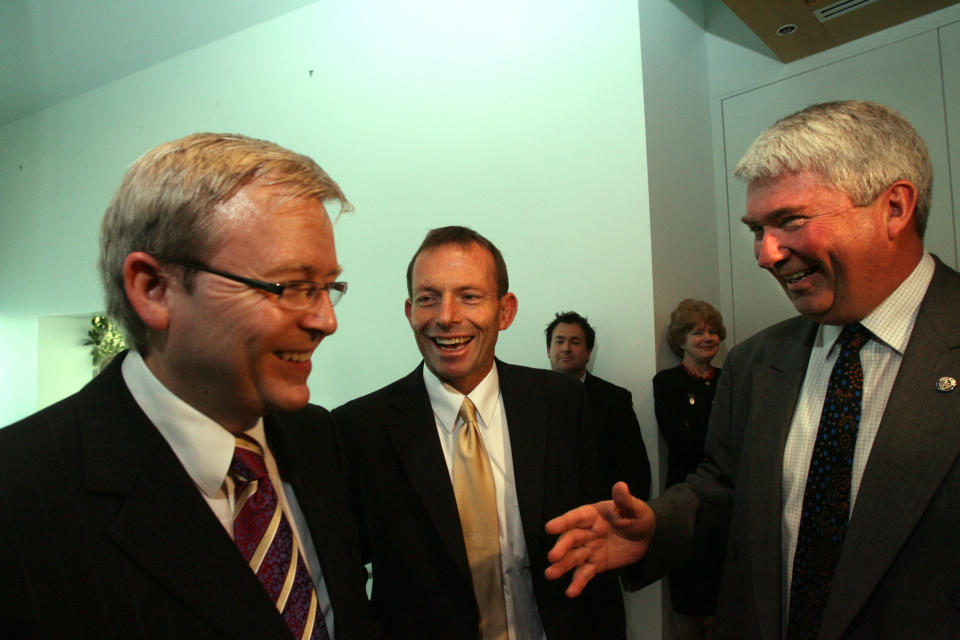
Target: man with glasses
<point>189,491</point>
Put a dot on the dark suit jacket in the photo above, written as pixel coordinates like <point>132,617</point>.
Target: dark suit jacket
<point>408,516</point>
<point>620,449</point>
<point>104,535</point>
<point>899,570</point>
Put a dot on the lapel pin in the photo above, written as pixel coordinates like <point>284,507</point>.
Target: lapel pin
<point>946,383</point>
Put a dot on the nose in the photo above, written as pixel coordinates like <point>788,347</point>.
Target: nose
<point>321,317</point>
<point>768,250</point>
<point>449,312</point>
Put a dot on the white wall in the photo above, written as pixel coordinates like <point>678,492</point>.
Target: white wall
<point>679,148</point>
<point>523,120</point>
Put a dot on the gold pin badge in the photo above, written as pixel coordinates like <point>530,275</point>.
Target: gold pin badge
<point>946,383</point>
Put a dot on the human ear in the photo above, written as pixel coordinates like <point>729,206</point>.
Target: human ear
<point>507,311</point>
<point>900,202</point>
<point>147,288</point>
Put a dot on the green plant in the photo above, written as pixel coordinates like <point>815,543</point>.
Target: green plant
<point>106,340</point>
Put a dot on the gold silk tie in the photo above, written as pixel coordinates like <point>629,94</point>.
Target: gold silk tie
<point>477,504</point>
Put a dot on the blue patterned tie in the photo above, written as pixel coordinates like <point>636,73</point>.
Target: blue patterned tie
<point>265,539</point>
<point>826,498</point>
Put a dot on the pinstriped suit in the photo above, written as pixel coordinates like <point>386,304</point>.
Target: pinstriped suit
<point>104,535</point>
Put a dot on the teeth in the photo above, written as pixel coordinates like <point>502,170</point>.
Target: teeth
<point>451,342</point>
<point>292,356</point>
<point>795,277</point>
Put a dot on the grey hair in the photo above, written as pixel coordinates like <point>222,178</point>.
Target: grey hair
<point>165,203</point>
<point>860,147</point>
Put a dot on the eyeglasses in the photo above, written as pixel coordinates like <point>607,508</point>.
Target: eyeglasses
<point>295,295</point>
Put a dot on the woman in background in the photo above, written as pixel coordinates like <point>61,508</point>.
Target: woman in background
<point>683,397</point>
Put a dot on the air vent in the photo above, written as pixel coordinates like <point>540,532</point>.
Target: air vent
<point>841,8</point>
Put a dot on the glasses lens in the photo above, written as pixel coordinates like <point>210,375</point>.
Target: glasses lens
<point>303,295</point>
<point>336,290</point>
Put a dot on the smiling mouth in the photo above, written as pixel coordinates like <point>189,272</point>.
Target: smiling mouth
<point>797,276</point>
<point>294,356</point>
<point>447,344</point>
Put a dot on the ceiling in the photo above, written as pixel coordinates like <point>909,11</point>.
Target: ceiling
<point>794,29</point>
<point>53,50</point>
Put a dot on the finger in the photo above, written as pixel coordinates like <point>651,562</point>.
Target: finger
<point>569,560</point>
<point>581,517</point>
<point>581,577</point>
<point>625,504</point>
<point>619,487</point>
<point>568,542</point>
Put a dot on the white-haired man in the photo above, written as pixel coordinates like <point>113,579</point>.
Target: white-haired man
<point>832,452</point>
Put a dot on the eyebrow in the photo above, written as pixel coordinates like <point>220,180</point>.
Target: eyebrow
<point>776,214</point>
<point>332,274</point>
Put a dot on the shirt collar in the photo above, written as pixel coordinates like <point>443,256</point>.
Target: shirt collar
<point>204,448</point>
<point>893,319</point>
<point>446,400</point>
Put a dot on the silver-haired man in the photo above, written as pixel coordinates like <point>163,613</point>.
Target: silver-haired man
<point>832,454</point>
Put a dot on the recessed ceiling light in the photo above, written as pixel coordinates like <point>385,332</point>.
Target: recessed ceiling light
<point>786,29</point>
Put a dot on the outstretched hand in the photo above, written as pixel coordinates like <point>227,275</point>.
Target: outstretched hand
<point>599,537</point>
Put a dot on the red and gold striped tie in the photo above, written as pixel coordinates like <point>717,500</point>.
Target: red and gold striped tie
<point>266,541</point>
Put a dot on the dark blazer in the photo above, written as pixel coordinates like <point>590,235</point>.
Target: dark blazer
<point>408,516</point>
<point>620,449</point>
<point>104,535</point>
<point>682,404</point>
<point>899,570</point>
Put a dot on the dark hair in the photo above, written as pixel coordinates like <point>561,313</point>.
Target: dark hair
<point>572,317</point>
<point>464,237</point>
<point>684,319</point>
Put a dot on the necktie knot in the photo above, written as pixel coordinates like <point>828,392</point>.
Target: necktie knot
<point>468,412</point>
<point>248,463</point>
<point>853,337</point>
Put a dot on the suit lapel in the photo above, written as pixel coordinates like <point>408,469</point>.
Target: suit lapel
<point>413,434</point>
<point>164,525</point>
<point>529,433</point>
<point>916,445</point>
<point>776,385</point>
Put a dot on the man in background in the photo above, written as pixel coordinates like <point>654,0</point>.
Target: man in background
<point>621,452</point>
<point>832,452</point>
<point>186,492</point>
<point>457,466</point>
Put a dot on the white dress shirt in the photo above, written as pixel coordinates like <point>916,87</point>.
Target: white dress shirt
<point>205,450</point>
<point>523,619</point>
<point>891,324</point>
